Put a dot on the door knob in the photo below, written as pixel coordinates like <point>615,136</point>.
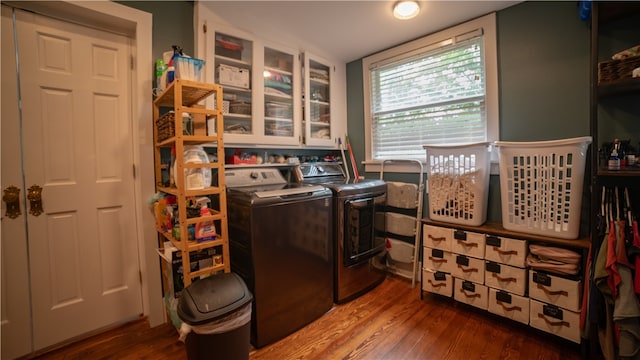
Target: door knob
<point>34,194</point>
<point>11,198</point>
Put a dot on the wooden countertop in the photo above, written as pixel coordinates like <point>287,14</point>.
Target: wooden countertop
<point>494,228</point>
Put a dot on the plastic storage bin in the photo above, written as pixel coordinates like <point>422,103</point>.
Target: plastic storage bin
<point>541,185</point>
<point>188,68</point>
<point>458,178</point>
<point>216,315</point>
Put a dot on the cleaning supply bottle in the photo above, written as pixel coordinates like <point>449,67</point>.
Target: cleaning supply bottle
<point>205,230</point>
<point>160,69</point>
<point>614,157</point>
<point>177,51</point>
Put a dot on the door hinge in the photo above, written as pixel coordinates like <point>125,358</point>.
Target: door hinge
<point>134,171</point>
<point>132,62</point>
<point>140,276</point>
<point>204,28</point>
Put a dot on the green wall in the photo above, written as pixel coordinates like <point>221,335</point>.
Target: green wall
<point>544,69</point>
<point>172,24</point>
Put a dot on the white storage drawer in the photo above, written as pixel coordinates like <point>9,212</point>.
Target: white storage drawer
<point>468,243</point>
<point>471,293</point>
<point>438,260</point>
<point>507,251</point>
<point>437,282</point>
<point>468,268</point>
<point>555,320</point>
<point>565,293</point>
<point>437,237</point>
<point>509,305</point>
<point>505,277</point>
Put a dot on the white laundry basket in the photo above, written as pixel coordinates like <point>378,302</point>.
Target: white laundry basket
<point>541,185</point>
<point>458,178</point>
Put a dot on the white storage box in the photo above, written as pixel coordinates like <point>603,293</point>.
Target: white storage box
<point>437,282</point>
<point>562,292</point>
<point>438,260</point>
<point>541,185</point>
<point>471,293</point>
<point>468,243</point>
<point>233,76</point>
<point>554,320</point>
<point>509,305</point>
<point>437,237</point>
<point>505,250</point>
<point>505,277</point>
<point>458,178</point>
<point>468,268</point>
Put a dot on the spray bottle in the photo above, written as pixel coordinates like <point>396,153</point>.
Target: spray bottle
<point>177,51</point>
<point>205,230</point>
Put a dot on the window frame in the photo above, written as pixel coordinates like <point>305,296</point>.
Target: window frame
<point>487,24</point>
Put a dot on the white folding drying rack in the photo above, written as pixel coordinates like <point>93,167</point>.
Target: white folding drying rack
<point>408,196</point>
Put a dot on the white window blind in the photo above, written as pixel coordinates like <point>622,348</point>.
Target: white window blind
<point>434,95</point>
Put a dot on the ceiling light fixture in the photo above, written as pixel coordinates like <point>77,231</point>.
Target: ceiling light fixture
<point>404,10</point>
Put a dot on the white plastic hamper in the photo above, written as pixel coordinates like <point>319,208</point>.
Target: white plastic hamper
<point>458,178</point>
<point>541,185</point>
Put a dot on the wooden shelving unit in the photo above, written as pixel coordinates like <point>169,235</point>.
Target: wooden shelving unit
<point>183,96</point>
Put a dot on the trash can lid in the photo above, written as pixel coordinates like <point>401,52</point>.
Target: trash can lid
<point>212,297</point>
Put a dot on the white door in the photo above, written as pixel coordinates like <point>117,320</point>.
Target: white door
<point>76,138</point>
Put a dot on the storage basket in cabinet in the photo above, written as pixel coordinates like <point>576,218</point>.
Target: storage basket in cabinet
<point>541,185</point>
<point>458,182</point>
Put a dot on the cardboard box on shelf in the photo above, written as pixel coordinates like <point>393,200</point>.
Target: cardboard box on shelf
<point>175,274</point>
<point>233,76</point>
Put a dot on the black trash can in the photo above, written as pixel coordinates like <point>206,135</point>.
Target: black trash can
<point>216,315</point>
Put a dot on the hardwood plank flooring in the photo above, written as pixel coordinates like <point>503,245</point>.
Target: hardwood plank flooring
<point>389,322</point>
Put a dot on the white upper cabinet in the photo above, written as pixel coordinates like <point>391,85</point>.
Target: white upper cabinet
<point>318,95</point>
<point>233,67</point>
<point>274,94</point>
<point>280,96</point>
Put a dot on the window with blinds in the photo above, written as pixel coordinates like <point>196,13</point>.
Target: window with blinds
<point>432,94</point>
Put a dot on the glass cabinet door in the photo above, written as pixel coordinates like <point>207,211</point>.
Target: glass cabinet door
<point>317,101</point>
<point>233,69</point>
<point>280,86</point>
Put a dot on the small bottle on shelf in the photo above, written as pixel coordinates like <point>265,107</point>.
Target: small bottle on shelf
<point>614,157</point>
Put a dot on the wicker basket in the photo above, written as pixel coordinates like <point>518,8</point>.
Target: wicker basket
<point>616,70</point>
<point>166,126</point>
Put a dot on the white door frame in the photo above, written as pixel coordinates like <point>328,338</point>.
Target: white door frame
<point>137,25</point>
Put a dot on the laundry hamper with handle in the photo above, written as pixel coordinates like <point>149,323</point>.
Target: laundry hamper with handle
<point>458,182</point>
<point>541,185</point>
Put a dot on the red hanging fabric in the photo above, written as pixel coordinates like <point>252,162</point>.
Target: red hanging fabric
<point>636,243</point>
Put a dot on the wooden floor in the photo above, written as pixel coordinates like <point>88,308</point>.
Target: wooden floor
<point>390,322</point>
